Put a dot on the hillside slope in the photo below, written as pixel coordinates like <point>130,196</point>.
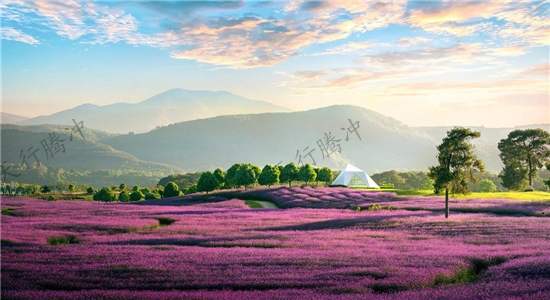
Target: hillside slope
<point>383,143</point>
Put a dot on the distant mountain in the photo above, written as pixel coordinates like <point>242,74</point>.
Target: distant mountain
<point>172,106</point>
<point>271,138</point>
<point>11,118</point>
<point>485,147</point>
<point>80,154</point>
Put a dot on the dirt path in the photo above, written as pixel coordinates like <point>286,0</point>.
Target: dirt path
<point>266,204</point>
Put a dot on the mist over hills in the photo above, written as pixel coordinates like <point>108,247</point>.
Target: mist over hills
<point>379,143</point>
<point>271,138</point>
<point>11,118</point>
<point>80,154</point>
<point>172,106</point>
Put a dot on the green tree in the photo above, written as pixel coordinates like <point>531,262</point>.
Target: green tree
<point>389,177</point>
<point>45,189</point>
<point>456,164</point>
<point>136,188</point>
<point>30,188</point>
<point>257,171</point>
<point>124,196</point>
<point>171,190</point>
<point>487,186</point>
<point>246,175</point>
<point>426,184</point>
<point>151,195</point>
<point>289,174</point>
<point>207,182</point>
<point>160,191</point>
<point>514,176</point>
<point>220,175</point>
<point>547,182</point>
<point>306,173</point>
<point>72,188</point>
<point>90,190</point>
<point>122,187</point>
<point>105,194</point>
<point>325,175</point>
<point>145,191</point>
<point>136,196</point>
<point>269,176</point>
<point>230,180</point>
<point>523,153</point>
<point>191,189</point>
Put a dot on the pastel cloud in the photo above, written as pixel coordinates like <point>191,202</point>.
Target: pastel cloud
<point>410,41</point>
<point>9,33</point>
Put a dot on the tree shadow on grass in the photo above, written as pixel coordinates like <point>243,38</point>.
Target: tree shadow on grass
<point>218,242</point>
<point>369,221</point>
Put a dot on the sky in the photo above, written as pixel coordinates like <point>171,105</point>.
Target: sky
<point>425,63</point>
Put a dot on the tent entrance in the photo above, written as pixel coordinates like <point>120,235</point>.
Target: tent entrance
<point>355,181</point>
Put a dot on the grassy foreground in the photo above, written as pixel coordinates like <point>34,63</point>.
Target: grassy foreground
<point>536,195</point>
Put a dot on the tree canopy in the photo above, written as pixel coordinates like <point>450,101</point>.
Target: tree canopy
<point>207,182</point>
<point>136,195</point>
<point>269,176</point>
<point>457,164</point>
<point>306,173</point>
<point>289,173</point>
<point>220,175</point>
<point>171,190</point>
<point>523,153</point>
<point>124,196</point>
<point>246,175</point>
<point>325,175</point>
<point>487,186</point>
<point>105,194</point>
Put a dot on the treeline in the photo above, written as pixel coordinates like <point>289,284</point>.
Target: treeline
<point>239,175</point>
<point>417,180</point>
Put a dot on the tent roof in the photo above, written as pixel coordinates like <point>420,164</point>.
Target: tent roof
<point>350,168</point>
<point>354,176</point>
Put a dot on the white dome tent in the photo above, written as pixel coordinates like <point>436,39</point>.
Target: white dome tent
<point>352,176</point>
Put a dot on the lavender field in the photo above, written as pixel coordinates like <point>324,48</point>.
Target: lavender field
<point>219,248</point>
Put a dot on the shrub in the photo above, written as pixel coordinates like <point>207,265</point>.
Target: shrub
<point>105,194</point>
<point>373,207</point>
<point>191,190</point>
<point>164,221</point>
<point>358,208</point>
<point>8,211</point>
<point>136,196</point>
<point>152,195</point>
<point>171,190</point>
<point>124,196</point>
<point>45,189</point>
<point>487,186</point>
<point>90,190</point>
<point>63,239</point>
<point>51,198</point>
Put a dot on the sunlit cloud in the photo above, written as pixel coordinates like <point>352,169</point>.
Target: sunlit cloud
<point>8,33</point>
<point>411,41</point>
<point>538,70</point>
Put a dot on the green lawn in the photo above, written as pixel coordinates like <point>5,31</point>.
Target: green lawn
<point>253,204</point>
<point>536,195</point>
